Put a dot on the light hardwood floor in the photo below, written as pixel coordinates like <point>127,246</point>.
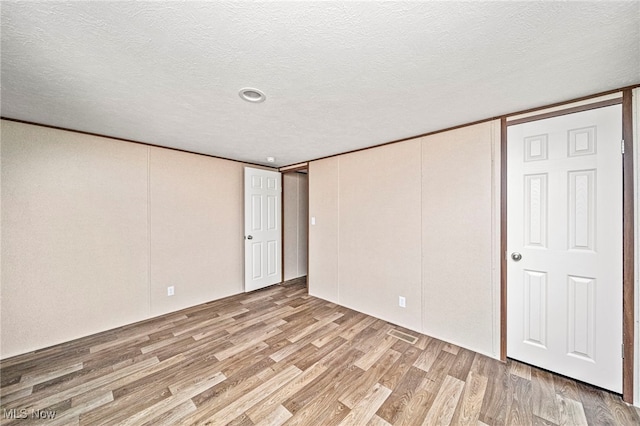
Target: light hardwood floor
<point>279,356</point>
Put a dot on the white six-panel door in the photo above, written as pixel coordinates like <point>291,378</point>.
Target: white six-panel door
<point>564,295</point>
<point>262,228</point>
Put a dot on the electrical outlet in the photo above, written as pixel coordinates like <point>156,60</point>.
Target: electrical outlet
<point>170,291</point>
<point>313,220</point>
<point>402,302</point>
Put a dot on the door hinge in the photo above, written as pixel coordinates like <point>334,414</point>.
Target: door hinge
<point>622,346</point>
<point>622,146</point>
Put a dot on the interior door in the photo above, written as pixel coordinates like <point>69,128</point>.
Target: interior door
<point>262,228</point>
<point>564,240</point>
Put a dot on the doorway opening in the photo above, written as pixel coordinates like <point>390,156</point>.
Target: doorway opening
<point>295,228</point>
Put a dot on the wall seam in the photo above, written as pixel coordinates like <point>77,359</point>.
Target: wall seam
<point>148,231</point>
<point>422,291</point>
<point>635,105</point>
<point>338,238</point>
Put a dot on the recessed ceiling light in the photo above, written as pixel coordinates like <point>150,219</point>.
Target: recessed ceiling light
<point>252,95</point>
<point>271,160</point>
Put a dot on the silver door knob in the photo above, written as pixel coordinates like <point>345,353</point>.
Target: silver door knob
<point>516,256</point>
<point>249,237</point>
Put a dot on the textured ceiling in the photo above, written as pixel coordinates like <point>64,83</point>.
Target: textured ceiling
<point>338,75</point>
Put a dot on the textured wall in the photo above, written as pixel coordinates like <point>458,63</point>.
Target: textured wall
<point>460,225</point>
<point>324,249</point>
<point>396,219</point>
<point>94,230</point>
<point>379,232</point>
<point>74,236</point>
<point>196,212</point>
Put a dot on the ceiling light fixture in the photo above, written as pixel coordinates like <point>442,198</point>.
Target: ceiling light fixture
<point>271,160</point>
<point>252,95</point>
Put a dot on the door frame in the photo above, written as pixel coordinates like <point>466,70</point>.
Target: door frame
<point>627,230</point>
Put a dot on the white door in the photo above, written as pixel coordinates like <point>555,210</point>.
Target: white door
<point>564,245</point>
<point>262,228</point>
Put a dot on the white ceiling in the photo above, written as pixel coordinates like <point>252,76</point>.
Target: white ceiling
<point>338,75</point>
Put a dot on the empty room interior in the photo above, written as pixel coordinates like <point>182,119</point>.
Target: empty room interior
<point>319,213</point>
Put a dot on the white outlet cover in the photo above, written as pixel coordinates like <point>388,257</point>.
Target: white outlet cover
<point>402,302</point>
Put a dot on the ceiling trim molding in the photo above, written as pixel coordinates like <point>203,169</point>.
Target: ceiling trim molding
<point>498,117</point>
<point>15,120</point>
<point>292,166</point>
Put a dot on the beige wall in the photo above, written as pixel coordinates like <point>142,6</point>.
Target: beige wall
<point>460,247</point>
<point>324,209</point>
<point>74,236</point>
<point>295,198</point>
<point>94,230</point>
<point>379,232</point>
<point>196,211</point>
<point>395,220</point>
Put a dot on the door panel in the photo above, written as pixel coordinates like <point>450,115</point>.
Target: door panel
<point>263,245</point>
<point>564,297</point>
<point>535,308</point>
<point>581,317</point>
<point>535,210</point>
<point>582,210</point>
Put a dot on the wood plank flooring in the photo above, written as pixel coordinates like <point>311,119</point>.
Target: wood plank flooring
<point>279,356</point>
